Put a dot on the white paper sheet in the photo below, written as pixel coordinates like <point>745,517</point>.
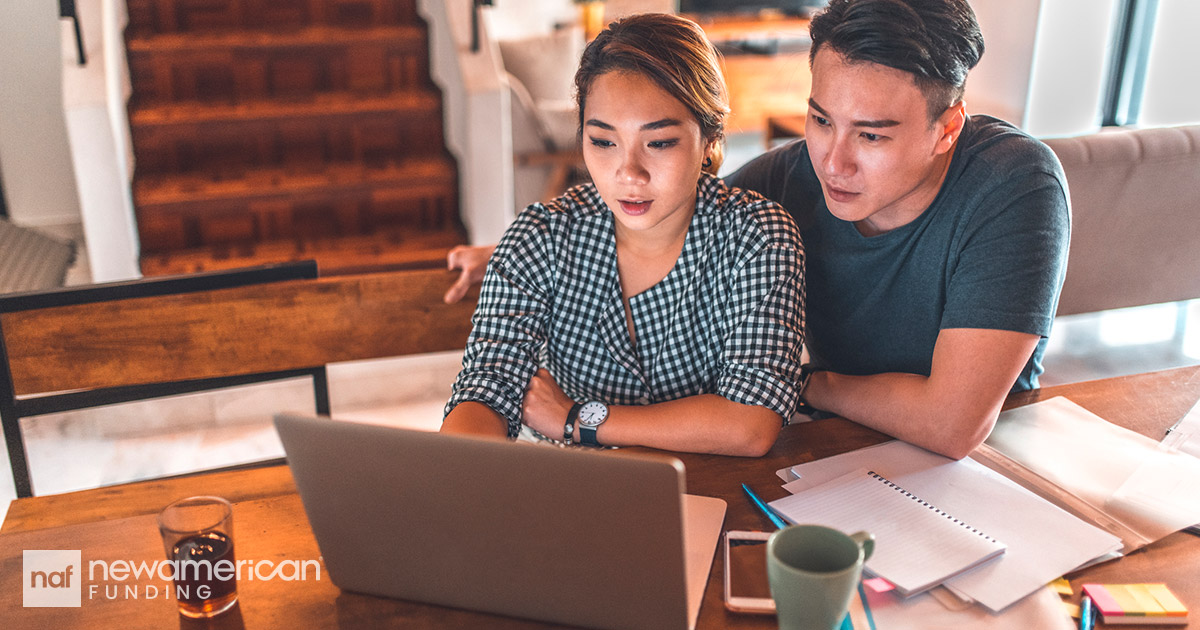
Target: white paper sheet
<point>1042,610</point>
<point>1185,436</point>
<point>1130,477</point>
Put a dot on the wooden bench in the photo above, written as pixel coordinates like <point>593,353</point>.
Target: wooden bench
<point>104,344</point>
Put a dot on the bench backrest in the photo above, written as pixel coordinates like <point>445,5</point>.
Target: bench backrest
<point>1135,235</point>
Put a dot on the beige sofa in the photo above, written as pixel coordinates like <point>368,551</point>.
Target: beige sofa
<point>1135,235</point>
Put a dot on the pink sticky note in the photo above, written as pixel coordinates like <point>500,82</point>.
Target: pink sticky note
<point>879,585</point>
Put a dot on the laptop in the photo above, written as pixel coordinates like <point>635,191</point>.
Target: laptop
<point>567,536</point>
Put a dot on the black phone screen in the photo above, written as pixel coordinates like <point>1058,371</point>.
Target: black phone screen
<point>748,568</point>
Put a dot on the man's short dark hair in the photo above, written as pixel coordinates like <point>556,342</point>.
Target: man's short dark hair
<point>936,41</point>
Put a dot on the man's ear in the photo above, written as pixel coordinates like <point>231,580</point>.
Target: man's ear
<point>950,123</point>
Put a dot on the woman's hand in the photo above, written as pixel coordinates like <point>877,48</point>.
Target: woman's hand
<point>472,260</point>
<point>546,406</point>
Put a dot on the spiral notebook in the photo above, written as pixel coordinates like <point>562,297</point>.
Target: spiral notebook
<point>917,546</point>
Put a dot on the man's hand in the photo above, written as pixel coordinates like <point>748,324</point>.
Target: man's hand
<point>546,406</point>
<point>472,260</point>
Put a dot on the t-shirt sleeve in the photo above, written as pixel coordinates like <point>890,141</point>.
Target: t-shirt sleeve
<point>509,325</point>
<point>766,174</point>
<point>760,361</point>
<point>1009,269</point>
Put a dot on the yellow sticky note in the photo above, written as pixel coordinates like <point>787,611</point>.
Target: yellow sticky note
<point>1172,607</point>
<point>1125,599</point>
<point>1072,609</point>
<point>1062,586</point>
<point>1146,603</point>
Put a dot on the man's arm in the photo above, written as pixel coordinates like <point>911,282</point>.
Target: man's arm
<point>472,260</point>
<point>951,411</point>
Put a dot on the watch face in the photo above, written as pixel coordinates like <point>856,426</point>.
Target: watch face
<point>593,414</point>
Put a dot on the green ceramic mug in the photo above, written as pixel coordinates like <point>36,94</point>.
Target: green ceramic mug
<point>814,571</point>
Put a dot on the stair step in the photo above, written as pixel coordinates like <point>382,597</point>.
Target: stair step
<point>387,251</point>
<point>171,189</point>
<point>176,212</point>
<point>320,36</point>
<point>320,106</point>
<point>295,65</point>
<point>309,134</point>
<point>198,16</point>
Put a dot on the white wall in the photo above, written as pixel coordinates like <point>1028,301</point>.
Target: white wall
<point>1069,63</point>
<point>98,129</point>
<point>528,18</point>
<point>39,182</point>
<point>1172,95</point>
<point>999,85</point>
<point>476,117</point>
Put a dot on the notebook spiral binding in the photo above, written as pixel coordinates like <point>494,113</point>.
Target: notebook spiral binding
<point>925,503</point>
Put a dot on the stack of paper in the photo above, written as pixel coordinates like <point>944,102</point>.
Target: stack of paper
<point>1043,541</point>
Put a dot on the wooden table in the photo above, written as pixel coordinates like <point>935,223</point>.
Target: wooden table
<point>118,522</point>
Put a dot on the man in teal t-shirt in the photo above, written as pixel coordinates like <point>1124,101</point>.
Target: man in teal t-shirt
<point>936,242</point>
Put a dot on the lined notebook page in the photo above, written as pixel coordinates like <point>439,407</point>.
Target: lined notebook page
<point>917,546</point>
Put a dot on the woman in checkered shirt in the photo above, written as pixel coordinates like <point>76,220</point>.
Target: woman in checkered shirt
<point>655,306</point>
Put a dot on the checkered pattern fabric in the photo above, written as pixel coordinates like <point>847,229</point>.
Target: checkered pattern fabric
<point>727,320</point>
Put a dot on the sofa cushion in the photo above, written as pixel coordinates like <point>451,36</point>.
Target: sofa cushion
<point>1135,203</point>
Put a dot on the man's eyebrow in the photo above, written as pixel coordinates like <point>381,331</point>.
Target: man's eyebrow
<point>650,126</point>
<point>857,123</point>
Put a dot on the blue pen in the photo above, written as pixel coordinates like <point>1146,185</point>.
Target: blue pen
<point>1086,614</point>
<point>779,520</point>
<point>862,596</point>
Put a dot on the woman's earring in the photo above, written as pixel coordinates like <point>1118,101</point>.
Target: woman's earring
<point>707,162</point>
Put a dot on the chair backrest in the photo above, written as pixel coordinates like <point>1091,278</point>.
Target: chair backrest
<point>1135,234</point>
<point>99,345</point>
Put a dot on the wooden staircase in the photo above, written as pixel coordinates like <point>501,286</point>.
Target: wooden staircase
<point>274,130</point>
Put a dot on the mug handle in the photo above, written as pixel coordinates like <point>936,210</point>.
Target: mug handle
<point>866,542</point>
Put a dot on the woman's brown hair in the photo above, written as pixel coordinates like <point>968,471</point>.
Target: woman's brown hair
<point>675,54</point>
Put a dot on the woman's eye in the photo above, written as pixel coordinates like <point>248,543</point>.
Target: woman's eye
<point>600,142</point>
<point>663,144</point>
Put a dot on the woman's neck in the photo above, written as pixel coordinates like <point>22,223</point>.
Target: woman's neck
<point>663,240</point>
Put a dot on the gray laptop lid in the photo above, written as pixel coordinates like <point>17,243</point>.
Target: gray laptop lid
<point>561,535</point>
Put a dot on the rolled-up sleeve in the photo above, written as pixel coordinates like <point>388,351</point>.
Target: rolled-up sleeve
<point>760,360</point>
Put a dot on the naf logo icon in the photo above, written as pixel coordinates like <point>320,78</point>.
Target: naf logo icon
<point>51,578</point>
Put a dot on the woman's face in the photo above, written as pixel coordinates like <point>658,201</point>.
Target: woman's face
<point>643,149</point>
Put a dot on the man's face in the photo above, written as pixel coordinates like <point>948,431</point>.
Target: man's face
<point>880,160</point>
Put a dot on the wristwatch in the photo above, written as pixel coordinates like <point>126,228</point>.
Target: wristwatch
<point>591,415</point>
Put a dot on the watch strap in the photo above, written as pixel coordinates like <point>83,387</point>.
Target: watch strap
<point>587,436</point>
<point>569,427</point>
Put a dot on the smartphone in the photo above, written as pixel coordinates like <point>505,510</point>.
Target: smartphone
<point>746,587</point>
